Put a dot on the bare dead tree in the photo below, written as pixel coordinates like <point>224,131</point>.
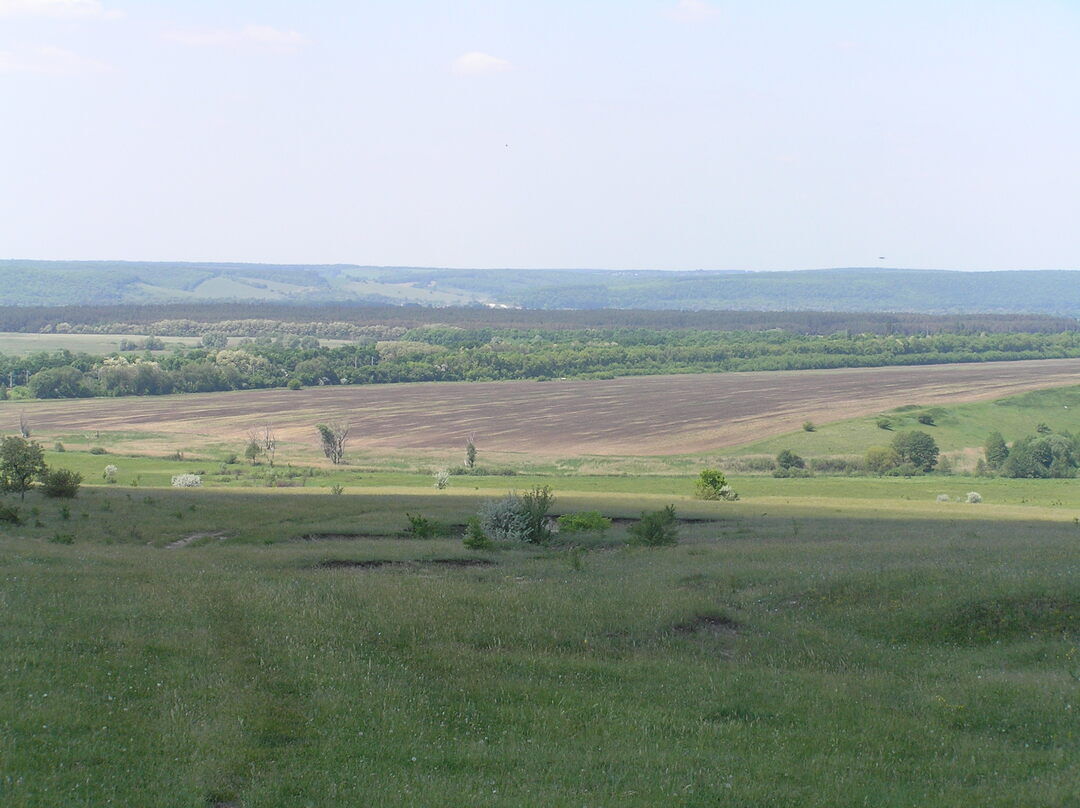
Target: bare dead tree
<point>269,441</point>
<point>333,438</point>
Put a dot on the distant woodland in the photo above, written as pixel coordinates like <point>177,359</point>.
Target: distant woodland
<point>58,283</point>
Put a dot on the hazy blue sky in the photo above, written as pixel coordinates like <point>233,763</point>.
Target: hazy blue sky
<point>586,133</point>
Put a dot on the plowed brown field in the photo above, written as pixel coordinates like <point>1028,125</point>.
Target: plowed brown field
<point>626,416</point>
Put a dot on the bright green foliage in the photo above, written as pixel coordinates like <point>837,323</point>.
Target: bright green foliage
<point>916,448</point>
<point>584,522</point>
<point>656,528</point>
<point>21,462</point>
<point>711,484</point>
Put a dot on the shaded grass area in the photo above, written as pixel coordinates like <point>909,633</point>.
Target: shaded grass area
<point>796,657</point>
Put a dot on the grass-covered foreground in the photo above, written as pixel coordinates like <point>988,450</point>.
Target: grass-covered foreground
<point>778,656</point>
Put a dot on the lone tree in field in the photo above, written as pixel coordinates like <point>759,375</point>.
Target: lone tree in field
<point>917,448</point>
<point>333,438</point>
<point>470,453</point>
<point>21,462</point>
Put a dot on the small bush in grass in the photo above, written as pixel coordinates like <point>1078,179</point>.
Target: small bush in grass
<point>712,484</point>
<point>295,384</point>
<point>420,527</point>
<point>62,538</point>
<point>809,426</point>
<point>337,490</point>
<point>230,459</point>
<point>442,479</point>
<point>58,447</point>
<point>925,418</point>
<point>656,528</point>
<point>10,515</point>
<point>942,497</point>
<point>584,522</point>
<point>974,497</point>
<point>884,423</point>
<point>787,459</point>
<point>61,483</point>
<point>97,450</point>
<point>504,519</point>
<point>65,513</point>
<point>109,474</point>
<point>186,481</point>
<point>536,504</point>
<point>475,537</point>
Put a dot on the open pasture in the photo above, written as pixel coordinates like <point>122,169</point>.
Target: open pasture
<point>795,658</point>
<point>650,415</point>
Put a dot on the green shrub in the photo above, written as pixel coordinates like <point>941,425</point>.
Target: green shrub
<point>880,459</point>
<point>884,423</point>
<point>475,537</point>
<point>584,522</point>
<point>925,418</point>
<point>504,519</point>
<point>656,528</point>
<point>808,426</point>
<point>61,483</point>
<point>97,450</point>
<point>10,515</point>
<point>420,527</point>
<point>62,538</point>
<point>712,484</point>
<point>295,384</point>
<point>535,505</point>
<point>787,459</point>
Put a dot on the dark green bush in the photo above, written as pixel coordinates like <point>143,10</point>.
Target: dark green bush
<point>656,528</point>
<point>10,515</point>
<point>97,450</point>
<point>475,537</point>
<point>61,483</point>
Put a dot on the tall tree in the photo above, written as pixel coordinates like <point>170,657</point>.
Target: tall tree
<point>21,462</point>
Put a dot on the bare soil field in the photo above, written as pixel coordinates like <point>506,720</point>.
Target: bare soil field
<point>645,415</point>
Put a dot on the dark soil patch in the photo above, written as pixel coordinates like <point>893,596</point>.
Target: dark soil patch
<point>338,537</point>
<point>715,624</point>
<point>343,563</point>
<point>460,562</point>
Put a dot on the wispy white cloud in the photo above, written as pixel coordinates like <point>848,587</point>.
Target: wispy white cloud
<point>476,63</point>
<point>693,11</point>
<point>263,36</point>
<point>48,60</point>
<point>58,9</point>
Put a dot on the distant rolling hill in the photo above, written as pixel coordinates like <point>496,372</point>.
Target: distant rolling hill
<point>35,283</point>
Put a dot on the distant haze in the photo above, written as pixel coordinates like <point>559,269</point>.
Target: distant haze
<point>631,134</point>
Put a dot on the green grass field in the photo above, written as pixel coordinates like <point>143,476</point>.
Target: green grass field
<point>956,427</point>
<point>822,642</point>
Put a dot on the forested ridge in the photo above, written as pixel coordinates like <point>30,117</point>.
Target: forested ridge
<point>54,283</point>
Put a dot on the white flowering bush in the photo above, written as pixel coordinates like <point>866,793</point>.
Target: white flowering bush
<point>109,475</point>
<point>974,497</point>
<point>186,481</point>
<point>942,497</point>
<point>442,479</point>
